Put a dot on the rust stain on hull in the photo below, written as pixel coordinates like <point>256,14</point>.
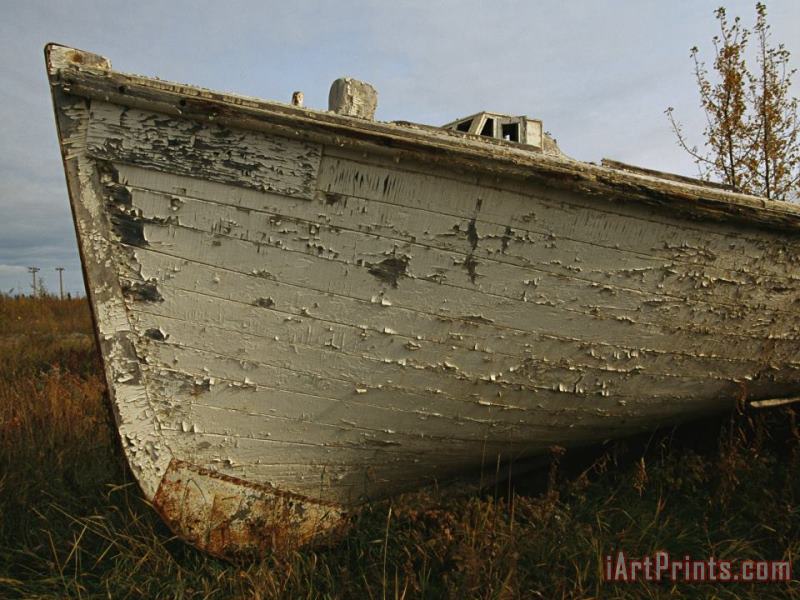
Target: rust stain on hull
<point>226,516</point>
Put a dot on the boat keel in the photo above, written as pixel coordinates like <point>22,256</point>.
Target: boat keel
<point>230,517</point>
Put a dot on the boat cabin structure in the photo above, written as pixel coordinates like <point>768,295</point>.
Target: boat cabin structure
<point>520,129</point>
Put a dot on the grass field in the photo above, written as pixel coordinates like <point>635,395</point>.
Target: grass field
<point>74,525</point>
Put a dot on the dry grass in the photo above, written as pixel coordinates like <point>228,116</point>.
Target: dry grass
<point>44,315</point>
<point>74,525</point>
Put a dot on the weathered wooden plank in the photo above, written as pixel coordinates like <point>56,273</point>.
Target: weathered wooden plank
<point>563,216</point>
<point>441,148</point>
<point>403,436</point>
<point>305,345</point>
<point>668,273</point>
<point>430,333</point>
<point>259,412</point>
<point>356,281</point>
<point>256,386</point>
<point>549,370</point>
<point>717,311</point>
<point>239,158</point>
<point>315,472</point>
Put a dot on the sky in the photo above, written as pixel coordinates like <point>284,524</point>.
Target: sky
<point>598,73</point>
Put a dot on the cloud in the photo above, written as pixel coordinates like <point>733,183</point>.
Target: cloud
<point>12,269</point>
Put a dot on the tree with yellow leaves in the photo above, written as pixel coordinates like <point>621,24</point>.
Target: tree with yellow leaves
<point>752,134</point>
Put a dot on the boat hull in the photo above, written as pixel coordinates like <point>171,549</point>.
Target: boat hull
<point>295,322</point>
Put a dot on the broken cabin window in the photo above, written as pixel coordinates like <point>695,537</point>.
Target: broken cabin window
<point>517,130</point>
<point>464,125</point>
<point>511,132</point>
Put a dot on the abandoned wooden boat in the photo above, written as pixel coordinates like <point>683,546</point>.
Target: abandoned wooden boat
<point>301,310</point>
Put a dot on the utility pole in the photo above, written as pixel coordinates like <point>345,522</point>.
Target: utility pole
<point>33,271</point>
<point>60,282</point>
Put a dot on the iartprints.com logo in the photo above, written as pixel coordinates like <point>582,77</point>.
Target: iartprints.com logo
<point>661,566</point>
